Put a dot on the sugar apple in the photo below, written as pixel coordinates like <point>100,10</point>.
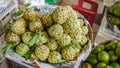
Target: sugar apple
<point>70,12</point>
<point>81,22</point>
<point>54,57</point>
<point>12,37</point>
<point>68,53</point>
<point>56,31</point>
<point>76,38</point>
<point>59,15</point>
<point>64,40</point>
<point>42,39</point>
<point>52,44</point>
<point>33,57</point>
<point>21,49</point>
<point>19,26</point>
<point>46,19</point>
<point>42,52</point>
<point>31,14</point>
<point>26,37</point>
<point>84,40</point>
<point>71,26</point>
<point>35,26</point>
<point>84,30</point>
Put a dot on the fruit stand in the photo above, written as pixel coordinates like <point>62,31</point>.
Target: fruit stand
<point>55,36</point>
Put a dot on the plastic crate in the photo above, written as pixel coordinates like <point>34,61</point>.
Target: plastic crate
<point>90,14</point>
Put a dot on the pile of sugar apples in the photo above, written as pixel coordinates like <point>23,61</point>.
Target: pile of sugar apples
<point>52,37</point>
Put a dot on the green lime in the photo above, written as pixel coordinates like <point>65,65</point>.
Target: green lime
<point>111,10</point>
<point>86,65</point>
<point>114,41</point>
<point>108,66</point>
<point>112,55</point>
<point>117,4</point>
<point>117,12</point>
<point>118,45</point>
<point>114,20</point>
<point>101,65</point>
<point>117,51</point>
<point>103,56</point>
<point>93,59</point>
<point>115,65</point>
<point>110,46</point>
<point>98,49</point>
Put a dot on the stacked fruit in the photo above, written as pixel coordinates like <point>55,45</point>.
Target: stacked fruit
<point>55,37</point>
<point>104,56</point>
<point>114,12</point>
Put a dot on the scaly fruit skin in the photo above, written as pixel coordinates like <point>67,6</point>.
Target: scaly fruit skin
<point>59,15</point>
<point>35,26</point>
<point>77,52</point>
<point>31,14</point>
<point>54,57</point>
<point>19,26</point>
<point>56,31</point>
<point>84,40</point>
<point>33,57</point>
<point>22,48</point>
<point>12,37</point>
<point>46,19</point>
<point>42,52</point>
<point>64,40</point>
<point>26,37</point>
<point>84,30</point>
<point>43,39</point>
<point>76,38</point>
<point>68,53</point>
<point>81,21</point>
<point>71,13</point>
<point>71,26</point>
<point>52,44</point>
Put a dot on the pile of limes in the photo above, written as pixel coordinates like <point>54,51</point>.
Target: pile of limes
<point>114,12</point>
<point>104,56</point>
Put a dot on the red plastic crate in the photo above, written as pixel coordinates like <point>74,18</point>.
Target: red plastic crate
<point>89,14</point>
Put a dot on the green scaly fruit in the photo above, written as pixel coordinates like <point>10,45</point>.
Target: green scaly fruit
<point>42,39</point>
<point>19,26</point>
<point>52,44</point>
<point>33,57</point>
<point>68,53</point>
<point>46,19</point>
<point>31,14</point>
<point>56,31</point>
<point>59,15</point>
<point>26,37</point>
<point>42,52</point>
<point>21,49</point>
<point>12,37</point>
<point>35,26</point>
<point>84,30</point>
<point>64,40</point>
<point>84,40</point>
<point>54,57</point>
<point>71,13</point>
<point>71,26</point>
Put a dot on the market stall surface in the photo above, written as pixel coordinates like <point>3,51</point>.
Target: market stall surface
<point>7,64</point>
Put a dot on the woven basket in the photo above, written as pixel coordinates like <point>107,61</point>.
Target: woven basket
<point>85,48</point>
